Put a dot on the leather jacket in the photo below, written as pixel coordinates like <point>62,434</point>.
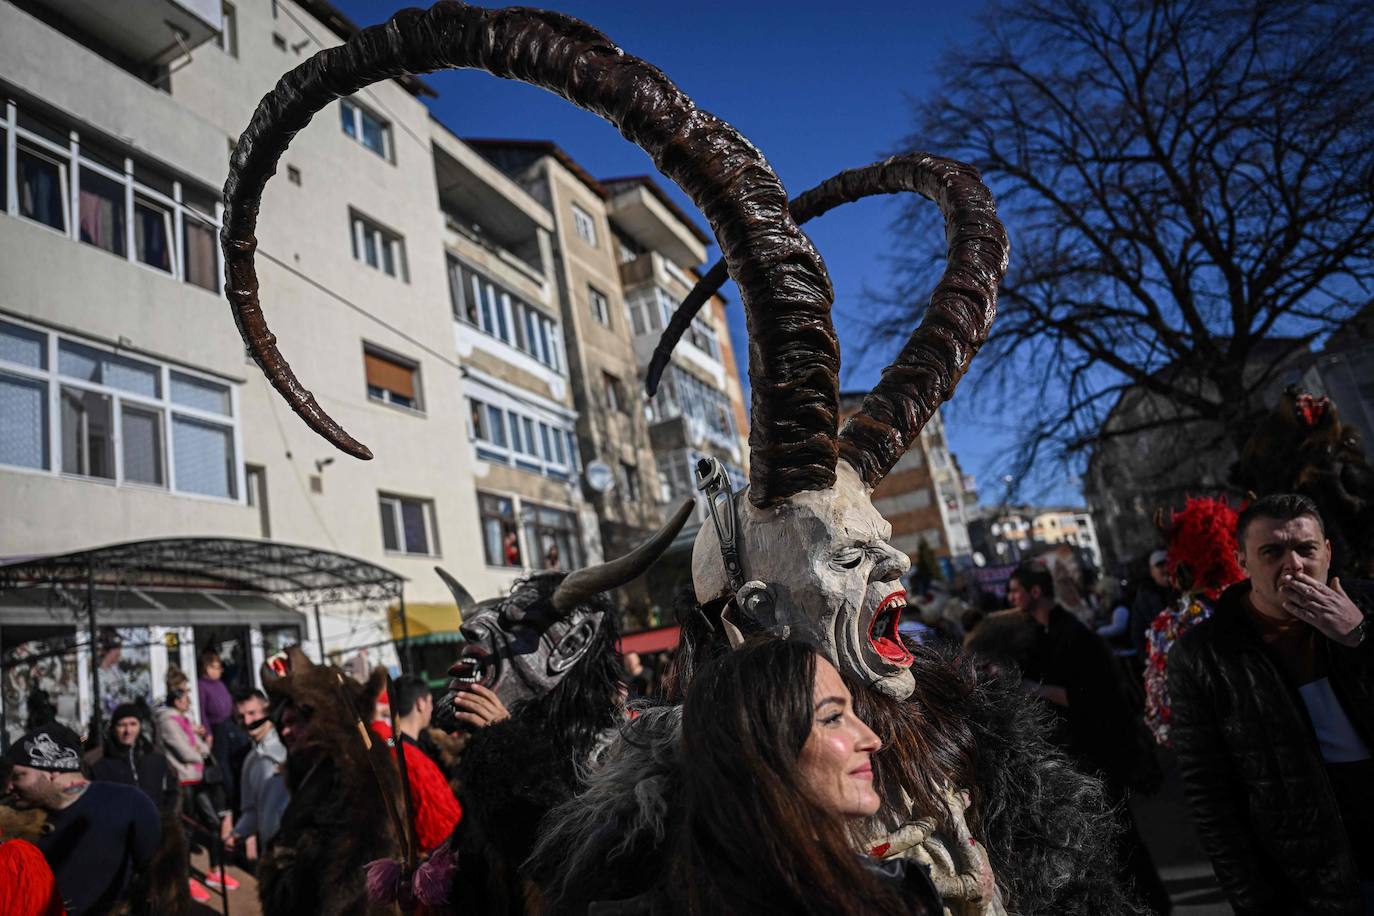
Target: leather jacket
<point>1260,796</point>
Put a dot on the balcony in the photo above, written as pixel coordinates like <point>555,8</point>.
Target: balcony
<point>481,213</point>
<point>144,33</point>
<point>655,223</point>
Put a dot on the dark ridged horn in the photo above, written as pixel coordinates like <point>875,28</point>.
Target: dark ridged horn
<point>955,326</point>
<point>783,284</point>
<point>582,584</point>
<point>461,596</point>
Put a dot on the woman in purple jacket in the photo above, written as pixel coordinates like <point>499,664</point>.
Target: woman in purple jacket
<point>217,712</point>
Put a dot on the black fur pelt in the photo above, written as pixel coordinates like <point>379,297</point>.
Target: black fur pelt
<point>1048,828</point>
<point>514,772</point>
<point>330,831</point>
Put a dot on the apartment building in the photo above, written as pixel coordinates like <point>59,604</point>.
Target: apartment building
<point>925,497</point>
<point>1067,525</point>
<point>158,497</point>
<point>622,474</point>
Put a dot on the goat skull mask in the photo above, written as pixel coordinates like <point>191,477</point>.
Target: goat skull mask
<point>832,577</point>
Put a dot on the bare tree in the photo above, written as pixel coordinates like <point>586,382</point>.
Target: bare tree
<point>1183,180</point>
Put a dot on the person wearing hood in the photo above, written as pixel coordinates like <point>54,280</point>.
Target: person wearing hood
<point>129,756</point>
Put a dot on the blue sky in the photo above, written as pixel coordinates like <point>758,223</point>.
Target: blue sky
<point>817,91</point>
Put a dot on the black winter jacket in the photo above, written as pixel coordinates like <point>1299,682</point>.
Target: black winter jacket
<point>1260,797</point>
<point>142,766</point>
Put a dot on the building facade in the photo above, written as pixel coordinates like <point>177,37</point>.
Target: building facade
<point>414,288</point>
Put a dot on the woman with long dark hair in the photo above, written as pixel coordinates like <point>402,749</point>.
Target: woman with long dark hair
<point>773,782</point>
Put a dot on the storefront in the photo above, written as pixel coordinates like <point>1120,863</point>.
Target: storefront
<point>81,633</point>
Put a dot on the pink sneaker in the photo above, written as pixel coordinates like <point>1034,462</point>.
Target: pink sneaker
<point>223,879</point>
<point>199,893</point>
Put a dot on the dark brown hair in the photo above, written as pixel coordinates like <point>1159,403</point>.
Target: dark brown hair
<point>1280,507</point>
<point>751,841</point>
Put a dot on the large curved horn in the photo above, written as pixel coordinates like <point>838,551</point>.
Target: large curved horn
<point>578,586</point>
<point>794,361</point>
<point>461,596</point>
<point>955,326</point>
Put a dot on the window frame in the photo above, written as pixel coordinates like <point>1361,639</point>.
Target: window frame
<point>600,305</point>
<point>396,508</point>
<point>388,245</point>
<point>483,304</point>
<point>227,38</point>
<point>388,396</point>
<point>71,163</point>
<point>584,224</point>
<point>547,452</point>
<point>53,380</point>
<point>360,112</point>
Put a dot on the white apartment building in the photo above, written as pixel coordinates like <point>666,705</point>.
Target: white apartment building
<point>409,283</point>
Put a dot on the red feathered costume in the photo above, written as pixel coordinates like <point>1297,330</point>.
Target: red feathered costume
<point>1202,562</point>
<point>436,812</point>
<point>27,887</point>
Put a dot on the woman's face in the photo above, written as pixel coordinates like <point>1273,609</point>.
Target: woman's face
<point>214,669</point>
<point>182,701</point>
<point>836,761</point>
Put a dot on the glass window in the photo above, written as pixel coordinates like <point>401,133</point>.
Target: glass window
<point>91,365</point>
<point>552,535</point>
<point>531,444</point>
<point>204,458</point>
<point>153,234</point>
<point>500,537</point>
<point>407,525</point>
<point>42,181</point>
<point>374,134</point>
<point>41,676</point>
<point>24,420</point>
<point>23,346</point>
<point>87,434</point>
<point>348,118</point>
<point>201,265</point>
<point>477,417</point>
<point>497,426</point>
<point>141,435</point>
<point>584,225</point>
<point>227,38</point>
<point>102,212</point>
<point>377,247</point>
<point>201,394</point>
<point>600,306</point>
<point>390,379</point>
<point>365,127</point>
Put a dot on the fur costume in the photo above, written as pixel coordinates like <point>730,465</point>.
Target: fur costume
<point>1045,825</point>
<point>344,796</point>
<point>1303,447</point>
<point>513,772</point>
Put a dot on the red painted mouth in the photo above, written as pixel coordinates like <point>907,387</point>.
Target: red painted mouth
<point>882,631</point>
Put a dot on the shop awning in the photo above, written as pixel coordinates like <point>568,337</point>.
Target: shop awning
<point>659,639</point>
<point>426,620</point>
<point>132,607</point>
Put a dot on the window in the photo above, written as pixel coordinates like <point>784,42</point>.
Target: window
<point>630,474</point>
<point>505,436</point>
<point>500,536</point>
<point>702,336</point>
<point>101,216</point>
<point>114,415</point>
<point>391,379</point>
<point>601,308</point>
<point>255,494</point>
<point>584,225</point>
<point>42,184</point>
<point>707,409</point>
<point>228,36</point>
<point>408,525</point>
<point>495,310</point>
<point>552,537</point>
<point>365,127</point>
<point>614,393</point>
<point>126,206</point>
<point>378,247</point>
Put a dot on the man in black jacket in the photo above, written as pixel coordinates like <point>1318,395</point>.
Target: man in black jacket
<point>1273,721</point>
<point>129,756</point>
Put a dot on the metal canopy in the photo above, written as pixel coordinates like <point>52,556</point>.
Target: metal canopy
<point>291,574</point>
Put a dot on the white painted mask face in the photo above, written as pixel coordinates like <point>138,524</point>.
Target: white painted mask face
<point>835,579</point>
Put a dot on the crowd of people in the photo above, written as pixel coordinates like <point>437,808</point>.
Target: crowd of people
<point>1249,660</point>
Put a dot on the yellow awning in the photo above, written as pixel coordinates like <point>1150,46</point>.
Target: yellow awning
<point>425,619</point>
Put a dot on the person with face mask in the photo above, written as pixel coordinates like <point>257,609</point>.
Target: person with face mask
<point>262,783</point>
<point>1273,721</point>
<point>99,834</point>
